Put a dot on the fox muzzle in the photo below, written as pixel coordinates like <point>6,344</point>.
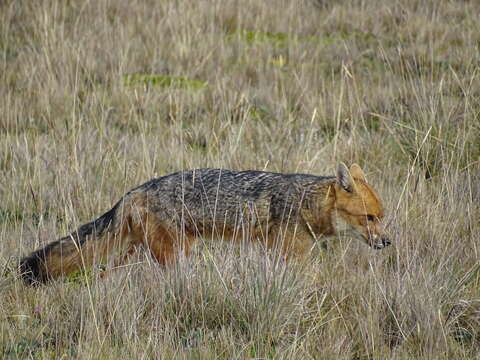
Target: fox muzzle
<point>380,242</point>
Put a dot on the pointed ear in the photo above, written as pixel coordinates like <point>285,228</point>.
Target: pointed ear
<point>357,172</point>
<point>344,179</point>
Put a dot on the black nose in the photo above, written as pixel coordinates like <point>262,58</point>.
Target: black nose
<point>386,241</point>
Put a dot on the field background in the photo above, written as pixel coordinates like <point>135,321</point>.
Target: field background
<point>99,96</point>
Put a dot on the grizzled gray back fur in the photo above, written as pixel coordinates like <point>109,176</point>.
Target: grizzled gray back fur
<point>198,200</point>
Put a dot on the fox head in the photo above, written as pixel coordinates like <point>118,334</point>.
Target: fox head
<point>359,206</point>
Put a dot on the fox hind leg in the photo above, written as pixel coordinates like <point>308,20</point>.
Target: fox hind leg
<point>161,243</point>
<point>166,246</point>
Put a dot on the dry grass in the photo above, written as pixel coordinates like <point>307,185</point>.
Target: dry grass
<point>290,86</point>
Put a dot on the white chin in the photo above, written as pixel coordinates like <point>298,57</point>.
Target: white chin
<point>378,246</point>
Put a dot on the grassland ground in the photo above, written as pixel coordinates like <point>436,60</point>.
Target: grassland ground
<point>99,96</point>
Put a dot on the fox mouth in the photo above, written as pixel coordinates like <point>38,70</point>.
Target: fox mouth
<point>381,245</point>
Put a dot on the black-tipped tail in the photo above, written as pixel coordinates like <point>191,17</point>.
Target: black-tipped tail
<point>31,269</point>
<point>61,256</point>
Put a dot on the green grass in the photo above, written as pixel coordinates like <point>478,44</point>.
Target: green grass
<point>102,96</point>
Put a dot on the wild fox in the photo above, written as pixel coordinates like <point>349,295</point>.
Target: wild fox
<point>166,215</point>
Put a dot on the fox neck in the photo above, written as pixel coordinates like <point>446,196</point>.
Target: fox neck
<point>320,217</point>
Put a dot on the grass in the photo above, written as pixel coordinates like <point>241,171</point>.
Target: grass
<point>281,86</point>
<point>162,81</point>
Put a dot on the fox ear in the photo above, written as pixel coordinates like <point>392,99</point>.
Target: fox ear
<point>344,179</point>
<point>357,172</point>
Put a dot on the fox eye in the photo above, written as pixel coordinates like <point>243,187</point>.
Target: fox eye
<point>370,218</point>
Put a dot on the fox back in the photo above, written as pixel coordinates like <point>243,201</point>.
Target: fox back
<point>205,198</point>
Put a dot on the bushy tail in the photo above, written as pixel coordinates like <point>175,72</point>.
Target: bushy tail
<point>72,252</point>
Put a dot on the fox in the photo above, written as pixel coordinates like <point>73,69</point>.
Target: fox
<point>288,212</point>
